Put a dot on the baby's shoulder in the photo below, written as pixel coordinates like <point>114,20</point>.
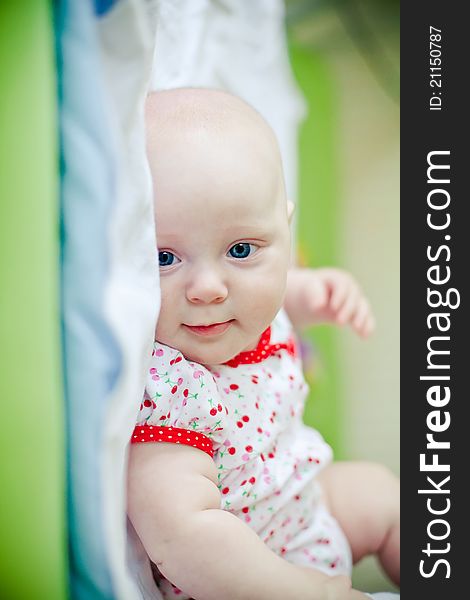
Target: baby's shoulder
<point>169,371</point>
<point>180,393</point>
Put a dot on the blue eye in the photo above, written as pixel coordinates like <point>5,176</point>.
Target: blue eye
<point>166,259</point>
<point>241,250</point>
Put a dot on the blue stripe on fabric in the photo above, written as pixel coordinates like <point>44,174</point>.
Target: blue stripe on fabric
<point>92,360</point>
<point>103,6</point>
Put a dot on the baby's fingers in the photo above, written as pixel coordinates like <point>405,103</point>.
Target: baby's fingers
<point>363,322</point>
<point>347,312</point>
<point>344,289</point>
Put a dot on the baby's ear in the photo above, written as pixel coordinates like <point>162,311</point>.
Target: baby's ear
<point>290,210</point>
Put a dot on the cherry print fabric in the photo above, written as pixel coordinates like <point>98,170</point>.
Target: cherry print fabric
<point>249,418</point>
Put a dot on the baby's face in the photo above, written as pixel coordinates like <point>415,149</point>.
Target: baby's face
<point>223,241</point>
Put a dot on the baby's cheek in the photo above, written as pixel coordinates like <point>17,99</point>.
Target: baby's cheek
<point>266,299</point>
<point>166,320</point>
<point>169,294</point>
<point>274,282</point>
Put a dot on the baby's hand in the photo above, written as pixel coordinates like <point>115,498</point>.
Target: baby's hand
<point>328,296</point>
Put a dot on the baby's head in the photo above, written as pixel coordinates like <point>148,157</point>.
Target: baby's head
<point>222,223</point>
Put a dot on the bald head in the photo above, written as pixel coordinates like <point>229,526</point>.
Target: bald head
<point>193,109</point>
<point>197,111</point>
<point>201,138</point>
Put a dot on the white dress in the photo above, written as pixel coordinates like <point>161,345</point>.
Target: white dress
<point>247,415</point>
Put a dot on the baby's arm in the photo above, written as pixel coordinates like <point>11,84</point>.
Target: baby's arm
<point>327,296</point>
<point>174,505</point>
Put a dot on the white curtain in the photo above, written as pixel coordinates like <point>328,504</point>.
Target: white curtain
<point>234,45</point>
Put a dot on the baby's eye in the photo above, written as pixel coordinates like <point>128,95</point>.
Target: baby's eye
<point>241,250</point>
<point>166,259</point>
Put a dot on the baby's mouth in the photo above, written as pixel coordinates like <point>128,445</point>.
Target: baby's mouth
<point>208,330</point>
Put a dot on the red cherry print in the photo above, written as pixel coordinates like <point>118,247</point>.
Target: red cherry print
<point>243,482</point>
<point>147,403</point>
<point>172,361</point>
<point>245,418</point>
<point>153,404</point>
<point>259,430</point>
<point>219,407</point>
<point>245,509</point>
<point>254,378</point>
<point>178,359</point>
<point>162,418</point>
<point>239,424</point>
<point>174,389</point>
<point>141,406</point>
<point>257,405</point>
<point>324,541</point>
<point>233,386</point>
<point>232,450</point>
<point>252,480</point>
<point>185,392</point>
<point>213,411</point>
<point>271,455</point>
<point>249,448</point>
<point>226,490</point>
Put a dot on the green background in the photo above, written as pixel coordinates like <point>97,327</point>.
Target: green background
<point>32,447</point>
<point>32,453</point>
<point>316,229</point>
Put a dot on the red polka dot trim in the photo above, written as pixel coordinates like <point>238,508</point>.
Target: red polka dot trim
<point>263,351</point>
<point>173,435</point>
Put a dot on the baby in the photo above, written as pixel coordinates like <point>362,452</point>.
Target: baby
<point>237,498</point>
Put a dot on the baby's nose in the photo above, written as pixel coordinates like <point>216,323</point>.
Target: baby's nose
<point>206,287</point>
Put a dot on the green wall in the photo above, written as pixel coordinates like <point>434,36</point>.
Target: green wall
<point>32,454</point>
<point>317,229</point>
